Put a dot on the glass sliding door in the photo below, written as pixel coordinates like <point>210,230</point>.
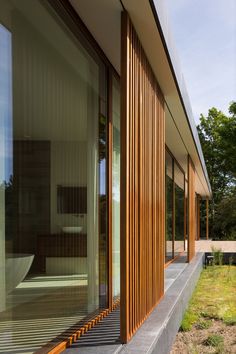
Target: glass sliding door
<point>115,189</point>
<point>53,196</point>
<point>176,226</point>
<point>169,208</point>
<point>179,210</point>
<point>5,152</point>
<point>186,217</point>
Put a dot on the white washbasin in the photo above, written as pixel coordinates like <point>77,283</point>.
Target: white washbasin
<point>72,229</point>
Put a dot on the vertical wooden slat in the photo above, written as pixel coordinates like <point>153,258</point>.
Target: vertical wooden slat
<point>191,210</point>
<point>207,218</point>
<point>142,184</point>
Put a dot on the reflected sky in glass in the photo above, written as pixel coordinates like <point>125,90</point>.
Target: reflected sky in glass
<point>6,166</point>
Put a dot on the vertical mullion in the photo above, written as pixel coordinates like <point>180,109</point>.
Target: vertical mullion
<point>173,208</point>
<point>109,189</point>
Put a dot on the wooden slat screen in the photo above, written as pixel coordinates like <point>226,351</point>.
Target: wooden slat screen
<point>142,184</point>
<point>191,210</point>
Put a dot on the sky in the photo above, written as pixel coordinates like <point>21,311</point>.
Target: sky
<point>205,37</point>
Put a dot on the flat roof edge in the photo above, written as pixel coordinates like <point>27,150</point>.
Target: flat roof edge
<point>161,19</point>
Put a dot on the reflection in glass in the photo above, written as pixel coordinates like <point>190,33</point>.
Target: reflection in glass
<point>169,207</point>
<point>52,178</point>
<point>103,275</point>
<point>116,189</point>
<point>186,217</point>
<point>6,186</point>
<point>179,210</point>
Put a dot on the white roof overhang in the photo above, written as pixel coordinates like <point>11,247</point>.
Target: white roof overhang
<point>102,18</point>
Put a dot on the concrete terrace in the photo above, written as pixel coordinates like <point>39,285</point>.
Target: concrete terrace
<point>206,246</point>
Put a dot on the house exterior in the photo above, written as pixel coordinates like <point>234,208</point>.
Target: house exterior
<point>101,168</point>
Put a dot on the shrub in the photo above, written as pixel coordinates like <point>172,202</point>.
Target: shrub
<point>204,324</point>
<point>230,321</point>
<point>217,256</point>
<point>214,340</point>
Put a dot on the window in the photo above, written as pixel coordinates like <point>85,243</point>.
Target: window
<point>116,189</point>
<point>179,210</point>
<point>169,207</point>
<point>53,177</point>
<point>175,208</point>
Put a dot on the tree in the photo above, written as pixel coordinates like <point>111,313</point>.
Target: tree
<point>228,138</point>
<point>225,218</point>
<point>217,134</point>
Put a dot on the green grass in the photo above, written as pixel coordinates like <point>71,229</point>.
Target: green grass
<point>230,321</point>
<point>214,340</point>
<point>189,319</point>
<point>213,298</point>
<point>204,324</point>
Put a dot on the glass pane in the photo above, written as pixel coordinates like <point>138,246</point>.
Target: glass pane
<point>103,275</point>
<point>116,189</point>
<point>53,203</point>
<point>6,186</point>
<point>186,217</point>
<point>179,210</point>
<point>169,207</point>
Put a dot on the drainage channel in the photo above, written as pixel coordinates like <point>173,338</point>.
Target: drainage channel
<point>105,336</point>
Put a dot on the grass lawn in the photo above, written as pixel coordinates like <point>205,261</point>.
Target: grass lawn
<point>209,324</point>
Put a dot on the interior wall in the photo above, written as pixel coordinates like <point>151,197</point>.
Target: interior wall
<point>142,184</point>
<point>36,116</point>
<point>72,155</point>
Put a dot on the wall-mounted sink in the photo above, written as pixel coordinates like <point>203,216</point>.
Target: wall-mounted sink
<point>72,229</point>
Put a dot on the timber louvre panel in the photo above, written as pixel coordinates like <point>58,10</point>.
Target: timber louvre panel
<point>142,184</point>
<point>191,210</point>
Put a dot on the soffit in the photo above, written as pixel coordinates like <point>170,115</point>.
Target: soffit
<point>102,18</point>
<point>144,22</point>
